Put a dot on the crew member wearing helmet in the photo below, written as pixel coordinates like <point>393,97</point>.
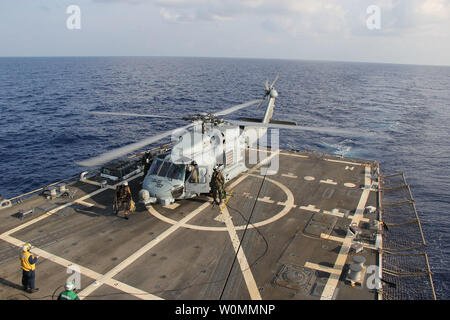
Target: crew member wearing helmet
<point>217,186</point>
<point>68,293</point>
<point>124,199</point>
<point>28,265</point>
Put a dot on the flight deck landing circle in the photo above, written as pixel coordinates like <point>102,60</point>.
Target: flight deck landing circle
<point>288,205</point>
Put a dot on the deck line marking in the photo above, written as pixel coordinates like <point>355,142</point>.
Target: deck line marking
<point>328,181</point>
<point>331,213</point>
<point>121,266</point>
<point>309,207</point>
<point>289,175</point>
<point>323,268</point>
<point>282,153</point>
<point>85,271</point>
<point>289,204</point>
<point>84,203</point>
<point>48,214</point>
<point>346,162</point>
<point>340,239</point>
<point>266,200</point>
<point>242,259</point>
<point>333,280</point>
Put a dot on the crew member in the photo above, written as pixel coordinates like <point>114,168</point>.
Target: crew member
<point>146,162</point>
<point>124,199</point>
<point>217,186</point>
<point>194,169</point>
<point>28,265</point>
<point>68,293</point>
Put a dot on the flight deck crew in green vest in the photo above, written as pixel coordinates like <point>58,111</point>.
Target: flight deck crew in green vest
<point>28,265</point>
<point>68,294</point>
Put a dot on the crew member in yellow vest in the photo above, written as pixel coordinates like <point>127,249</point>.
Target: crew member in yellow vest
<point>28,265</point>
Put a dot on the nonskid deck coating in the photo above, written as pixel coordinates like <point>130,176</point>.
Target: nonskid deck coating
<point>187,250</point>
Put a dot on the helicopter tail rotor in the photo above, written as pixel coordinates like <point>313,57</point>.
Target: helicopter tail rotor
<point>268,90</point>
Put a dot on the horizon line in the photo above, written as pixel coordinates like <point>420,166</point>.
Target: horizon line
<point>218,57</point>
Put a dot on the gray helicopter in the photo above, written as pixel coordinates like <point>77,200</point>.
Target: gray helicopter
<point>207,143</point>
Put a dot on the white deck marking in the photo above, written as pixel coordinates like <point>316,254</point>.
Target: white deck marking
<point>84,203</point>
<point>333,212</point>
<point>309,178</point>
<point>84,271</point>
<point>285,204</point>
<point>328,181</point>
<point>289,205</point>
<point>349,185</point>
<point>339,239</point>
<point>242,259</point>
<point>349,168</point>
<point>345,162</point>
<point>323,268</point>
<point>266,200</point>
<point>283,153</point>
<point>121,266</point>
<point>289,175</point>
<point>51,212</point>
<point>310,207</point>
<point>172,206</point>
<point>333,280</point>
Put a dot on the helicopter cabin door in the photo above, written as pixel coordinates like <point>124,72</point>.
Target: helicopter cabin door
<point>197,181</point>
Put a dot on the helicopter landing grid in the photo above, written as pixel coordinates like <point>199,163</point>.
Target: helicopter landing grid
<point>284,236</point>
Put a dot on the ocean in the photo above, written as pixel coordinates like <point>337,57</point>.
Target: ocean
<point>45,126</point>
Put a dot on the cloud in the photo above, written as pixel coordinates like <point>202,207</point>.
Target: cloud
<point>313,17</point>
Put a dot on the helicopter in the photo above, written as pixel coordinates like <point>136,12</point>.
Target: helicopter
<point>208,143</point>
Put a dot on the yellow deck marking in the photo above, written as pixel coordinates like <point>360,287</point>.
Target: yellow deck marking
<point>121,266</point>
<point>320,267</point>
<point>242,259</point>
<point>84,271</point>
<point>333,280</point>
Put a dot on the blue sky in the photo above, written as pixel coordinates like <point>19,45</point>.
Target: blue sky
<point>411,31</point>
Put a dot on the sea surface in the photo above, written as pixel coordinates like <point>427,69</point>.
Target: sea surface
<point>45,126</point>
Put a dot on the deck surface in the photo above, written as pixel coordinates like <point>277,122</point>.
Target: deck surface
<point>296,245</point>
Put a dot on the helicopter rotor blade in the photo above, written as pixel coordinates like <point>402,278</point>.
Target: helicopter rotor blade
<point>330,131</point>
<point>262,101</point>
<point>119,152</point>
<point>126,114</point>
<point>267,85</point>
<point>235,108</point>
<point>273,83</point>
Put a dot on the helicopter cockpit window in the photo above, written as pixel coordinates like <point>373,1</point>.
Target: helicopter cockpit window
<point>155,167</point>
<point>176,172</point>
<point>164,169</point>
